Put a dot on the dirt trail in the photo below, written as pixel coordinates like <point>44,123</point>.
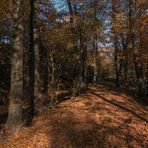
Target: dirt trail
<point>100,118</point>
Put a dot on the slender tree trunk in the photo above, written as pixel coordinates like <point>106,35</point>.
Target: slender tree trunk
<point>44,72</point>
<point>16,92</point>
<point>95,58</point>
<point>81,62</point>
<point>52,84</point>
<point>26,88</point>
<point>37,59</point>
<point>117,74</point>
<point>85,63</point>
<point>31,61</point>
<point>117,69</point>
<point>126,70</point>
<point>95,46</point>
<point>139,76</point>
<point>74,31</point>
<point>121,70</point>
<point>82,59</point>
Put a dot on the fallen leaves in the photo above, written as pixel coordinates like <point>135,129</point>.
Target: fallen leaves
<point>104,118</point>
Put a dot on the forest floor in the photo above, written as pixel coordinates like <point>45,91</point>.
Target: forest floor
<point>103,117</point>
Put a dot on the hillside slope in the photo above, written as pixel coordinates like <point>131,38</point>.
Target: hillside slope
<point>100,118</point>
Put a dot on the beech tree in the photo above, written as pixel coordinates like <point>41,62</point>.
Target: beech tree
<point>16,90</point>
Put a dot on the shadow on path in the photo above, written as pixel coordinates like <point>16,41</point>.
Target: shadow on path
<point>120,106</point>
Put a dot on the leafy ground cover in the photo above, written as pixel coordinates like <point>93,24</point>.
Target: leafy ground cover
<point>100,118</point>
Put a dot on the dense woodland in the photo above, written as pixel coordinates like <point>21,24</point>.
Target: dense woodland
<point>53,50</point>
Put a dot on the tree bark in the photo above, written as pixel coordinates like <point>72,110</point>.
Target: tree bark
<point>37,59</point>
<point>116,66</point>
<point>82,58</point>
<point>31,62</point>
<point>96,68</point>
<point>16,92</point>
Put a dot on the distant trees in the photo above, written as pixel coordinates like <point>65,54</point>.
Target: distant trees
<point>128,19</point>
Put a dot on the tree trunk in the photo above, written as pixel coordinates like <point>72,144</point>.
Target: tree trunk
<point>82,59</point>
<point>95,58</point>
<point>116,65</point>
<point>31,62</point>
<point>16,92</point>
<point>37,59</point>
<point>44,72</point>
<point>139,76</point>
<point>26,89</point>
<point>126,71</point>
<point>52,84</point>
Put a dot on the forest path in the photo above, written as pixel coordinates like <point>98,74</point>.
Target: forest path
<point>101,118</point>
